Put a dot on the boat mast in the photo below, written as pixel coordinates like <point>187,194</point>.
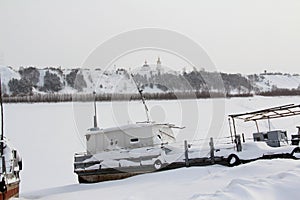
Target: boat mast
<point>142,97</point>
<point>95,108</point>
<point>2,132</point>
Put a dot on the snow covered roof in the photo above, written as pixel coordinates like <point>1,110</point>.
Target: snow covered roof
<point>124,127</point>
<point>270,113</point>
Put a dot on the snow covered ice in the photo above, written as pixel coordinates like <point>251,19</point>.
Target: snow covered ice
<point>264,179</point>
<point>48,135</point>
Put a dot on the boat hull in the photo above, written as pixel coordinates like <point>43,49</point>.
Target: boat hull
<point>94,178</point>
<point>100,175</point>
<point>109,174</point>
<point>12,191</point>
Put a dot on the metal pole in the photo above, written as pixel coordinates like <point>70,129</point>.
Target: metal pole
<point>2,121</point>
<point>95,108</point>
<point>186,153</point>
<point>2,131</point>
<point>142,97</point>
<point>269,124</point>
<point>230,129</point>
<point>234,129</point>
<point>256,126</point>
<point>212,150</point>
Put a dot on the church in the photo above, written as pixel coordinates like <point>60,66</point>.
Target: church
<point>147,69</point>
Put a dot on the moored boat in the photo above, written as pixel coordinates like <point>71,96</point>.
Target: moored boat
<point>124,151</point>
<point>10,164</point>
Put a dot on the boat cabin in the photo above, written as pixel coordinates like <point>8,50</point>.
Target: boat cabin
<point>128,137</point>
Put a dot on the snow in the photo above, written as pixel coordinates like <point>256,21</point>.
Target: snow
<point>279,81</point>
<point>264,179</point>
<point>120,82</point>
<point>253,150</point>
<point>7,74</point>
<point>48,135</point>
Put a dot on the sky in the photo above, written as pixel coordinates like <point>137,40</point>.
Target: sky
<point>244,36</point>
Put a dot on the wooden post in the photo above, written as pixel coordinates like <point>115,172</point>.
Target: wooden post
<point>212,150</point>
<point>238,143</point>
<point>234,129</point>
<point>186,153</point>
<point>243,136</point>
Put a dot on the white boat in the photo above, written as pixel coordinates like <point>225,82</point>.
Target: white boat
<point>10,164</point>
<point>123,151</point>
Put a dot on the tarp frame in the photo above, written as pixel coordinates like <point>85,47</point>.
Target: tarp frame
<point>269,113</point>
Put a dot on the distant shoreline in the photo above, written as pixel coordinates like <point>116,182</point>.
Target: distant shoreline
<point>55,98</point>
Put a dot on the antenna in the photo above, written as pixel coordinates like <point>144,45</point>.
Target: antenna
<point>2,121</point>
<point>95,107</point>
<point>142,97</point>
<point>2,132</point>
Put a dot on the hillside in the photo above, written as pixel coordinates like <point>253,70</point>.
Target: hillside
<point>31,80</point>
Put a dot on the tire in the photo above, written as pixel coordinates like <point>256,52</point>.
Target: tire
<point>233,160</point>
<point>296,150</point>
<point>157,165</point>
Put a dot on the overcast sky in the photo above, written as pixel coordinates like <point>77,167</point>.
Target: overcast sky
<point>239,36</point>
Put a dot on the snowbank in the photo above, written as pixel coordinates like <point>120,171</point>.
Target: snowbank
<point>264,179</point>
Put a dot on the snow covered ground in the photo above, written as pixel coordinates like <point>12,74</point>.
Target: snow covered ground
<point>264,179</point>
<point>279,81</point>
<point>48,135</point>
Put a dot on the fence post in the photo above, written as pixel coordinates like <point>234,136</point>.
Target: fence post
<point>186,153</point>
<point>238,143</point>
<point>212,150</point>
<point>243,136</point>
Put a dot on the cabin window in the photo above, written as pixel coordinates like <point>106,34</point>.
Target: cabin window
<point>134,140</point>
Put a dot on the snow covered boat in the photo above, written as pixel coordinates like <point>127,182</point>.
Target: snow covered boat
<point>10,165</point>
<point>124,151</point>
<point>264,144</point>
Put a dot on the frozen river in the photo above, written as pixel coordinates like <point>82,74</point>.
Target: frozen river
<point>48,135</point>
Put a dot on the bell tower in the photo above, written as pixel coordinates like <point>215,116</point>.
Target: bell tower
<point>158,66</point>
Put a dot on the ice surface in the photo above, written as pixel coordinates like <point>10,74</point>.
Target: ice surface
<point>48,135</point>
